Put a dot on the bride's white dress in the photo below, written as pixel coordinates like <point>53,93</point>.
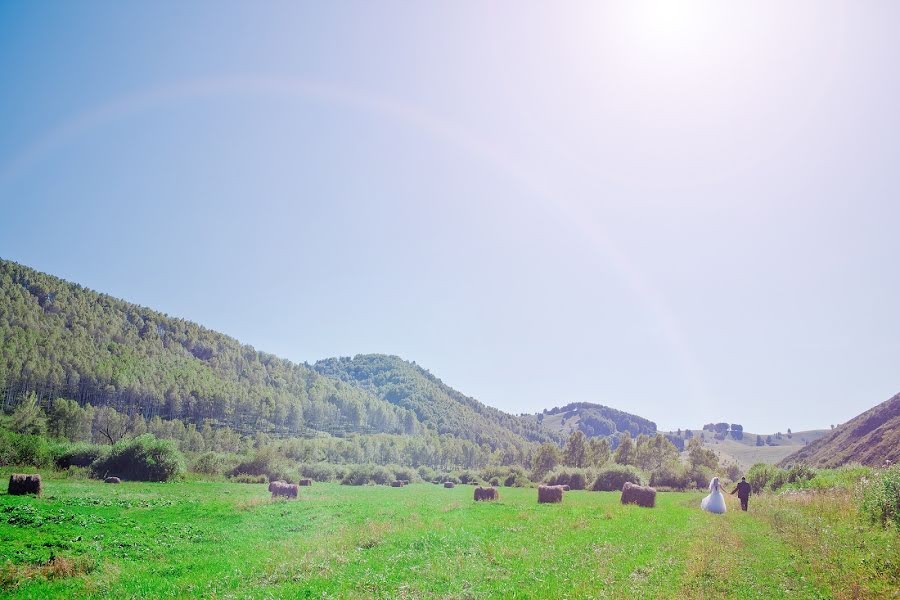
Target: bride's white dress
<point>715,502</point>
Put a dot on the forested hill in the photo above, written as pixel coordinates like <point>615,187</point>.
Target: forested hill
<point>435,404</point>
<point>869,439</point>
<point>594,420</point>
<point>61,340</point>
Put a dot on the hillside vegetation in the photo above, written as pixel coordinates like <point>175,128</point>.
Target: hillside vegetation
<point>594,420</point>
<point>869,439</point>
<point>60,340</point>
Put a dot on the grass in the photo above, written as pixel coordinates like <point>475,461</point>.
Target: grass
<point>88,539</point>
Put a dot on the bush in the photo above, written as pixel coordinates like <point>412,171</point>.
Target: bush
<point>244,478</point>
<point>320,472</point>
<point>80,455</point>
<point>209,463</point>
<point>574,478</point>
<point>143,458</point>
<point>405,473</point>
<point>468,477</point>
<point>25,450</point>
<point>674,476</point>
<point>613,477</point>
<point>266,462</point>
<point>760,475</point>
<point>881,497</point>
<point>365,474</point>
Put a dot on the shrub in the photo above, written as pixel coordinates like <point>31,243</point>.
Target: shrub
<point>245,478</point>
<point>613,477</point>
<point>699,476</point>
<point>209,463</point>
<point>319,472</point>
<point>405,474</point>
<point>881,497</point>
<point>265,462</point>
<point>673,476</point>
<point>760,475</point>
<point>365,474</point>
<point>143,458</point>
<point>79,455</point>
<point>468,477</point>
<point>574,478</point>
<point>21,449</point>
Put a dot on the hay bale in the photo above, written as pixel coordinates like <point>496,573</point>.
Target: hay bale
<point>486,493</point>
<point>21,484</point>
<point>280,488</point>
<point>449,484</point>
<point>566,488</point>
<point>305,482</point>
<point>549,493</point>
<point>404,481</point>
<point>638,494</point>
<point>112,480</point>
<point>397,483</point>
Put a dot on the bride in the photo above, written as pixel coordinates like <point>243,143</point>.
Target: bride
<point>715,502</point>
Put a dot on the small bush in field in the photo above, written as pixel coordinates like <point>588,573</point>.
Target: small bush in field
<point>576,479</point>
<point>143,458</point>
<point>80,455</point>
<point>245,478</point>
<point>613,477</point>
<point>21,449</point>
<point>365,474</point>
<point>209,463</point>
<point>881,497</point>
<point>760,476</point>
<point>673,476</point>
<point>265,462</point>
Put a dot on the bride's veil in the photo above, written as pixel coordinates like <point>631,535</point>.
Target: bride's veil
<point>713,484</point>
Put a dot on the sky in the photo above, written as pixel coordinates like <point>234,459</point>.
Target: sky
<point>688,211</point>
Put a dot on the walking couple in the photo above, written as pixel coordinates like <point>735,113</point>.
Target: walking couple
<point>715,502</point>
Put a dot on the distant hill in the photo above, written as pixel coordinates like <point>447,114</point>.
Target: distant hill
<point>870,439</point>
<point>745,453</point>
<point>594,420</point>
<point>61,340</point>
<point>435,404</point>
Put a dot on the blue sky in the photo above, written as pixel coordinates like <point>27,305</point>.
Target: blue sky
<point>688,211</point>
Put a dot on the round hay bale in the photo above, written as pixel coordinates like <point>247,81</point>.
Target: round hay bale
<point>638,494</point>
<point>549,493</point>
<point>22,483</point>
<point>566,488</point>
<point>449,484</point>
<point>397,483</point>
<point>305,482</point>
<point>280,488</point>
<point>112,480</point>
<point>486,493</point>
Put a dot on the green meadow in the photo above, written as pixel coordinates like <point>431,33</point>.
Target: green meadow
<point>84,538</point>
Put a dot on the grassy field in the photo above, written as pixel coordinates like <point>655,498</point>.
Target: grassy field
<point>88,539</point>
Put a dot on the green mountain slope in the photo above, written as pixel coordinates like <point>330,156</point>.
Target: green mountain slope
<point>594,420</point>
<point>870,439</point>
<point>58,339</point>
<point>435,404</point>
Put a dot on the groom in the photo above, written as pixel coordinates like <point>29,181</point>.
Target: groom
<point>743,492</point>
